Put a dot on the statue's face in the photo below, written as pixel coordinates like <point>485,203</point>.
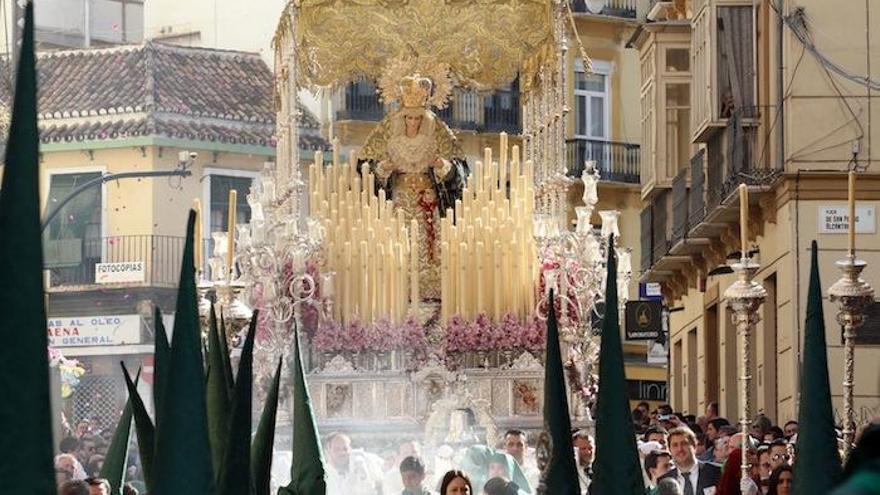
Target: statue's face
<point>413,122</point>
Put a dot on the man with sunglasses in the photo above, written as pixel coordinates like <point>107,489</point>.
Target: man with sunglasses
<point>779,453</point>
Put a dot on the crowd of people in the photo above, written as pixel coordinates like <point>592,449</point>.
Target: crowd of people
<point>679,454</point>
<point>81,458</point>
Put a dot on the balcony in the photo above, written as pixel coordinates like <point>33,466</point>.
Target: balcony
<point>497,112</point>
<point>611,8</point>
<point>74,262</point>
<point>617,162</point>
<point>703,227</point>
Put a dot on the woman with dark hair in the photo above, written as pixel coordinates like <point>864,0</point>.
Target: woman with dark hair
<point>456,483</point>
<point>781,481</point>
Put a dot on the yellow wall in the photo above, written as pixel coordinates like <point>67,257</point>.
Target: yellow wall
<point>157,206</point>
<point>784,252</point>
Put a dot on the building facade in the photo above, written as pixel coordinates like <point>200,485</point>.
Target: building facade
<point>763,93</point>
<point>113,250</point>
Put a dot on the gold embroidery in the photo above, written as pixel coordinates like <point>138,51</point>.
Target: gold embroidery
<point>484,42</point>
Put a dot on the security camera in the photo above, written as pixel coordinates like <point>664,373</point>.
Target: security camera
<point>187,156</point>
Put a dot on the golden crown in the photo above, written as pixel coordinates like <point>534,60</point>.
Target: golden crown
<point>415,90</point>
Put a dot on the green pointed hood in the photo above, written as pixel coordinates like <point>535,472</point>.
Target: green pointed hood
<point>307,475</point>
<point>560,475</point>
<point>116,460</point>
<point>818,466</point>
<point>616,466</point>
<point>264,440</point>
<point>183,452</point>
<point>25,411</point>
<point>144,429</point>
<point>235,473</point>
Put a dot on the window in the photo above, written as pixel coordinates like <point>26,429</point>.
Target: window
<point>678,60</point>
<point>735,61</point>
<point>591,100</point>
<point>220,185</point>
<point>678,122</point>
<point>75,231</point>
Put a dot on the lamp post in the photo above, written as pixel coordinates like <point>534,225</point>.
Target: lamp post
<point>745,296</point>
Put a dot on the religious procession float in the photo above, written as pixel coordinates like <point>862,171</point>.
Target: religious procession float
<point>419,281</point>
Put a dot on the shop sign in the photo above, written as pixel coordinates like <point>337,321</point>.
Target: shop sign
<point>644,320</point>
<point>74,331</point>
<point>118,273</point>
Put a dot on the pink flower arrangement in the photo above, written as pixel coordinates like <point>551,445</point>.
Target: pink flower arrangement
<point>533,336</point>
<point>328,338</point>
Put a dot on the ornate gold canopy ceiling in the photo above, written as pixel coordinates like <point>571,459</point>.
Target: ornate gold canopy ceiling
<point>485,43</point>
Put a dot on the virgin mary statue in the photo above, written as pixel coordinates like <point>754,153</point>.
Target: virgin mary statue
<point>417,160</point>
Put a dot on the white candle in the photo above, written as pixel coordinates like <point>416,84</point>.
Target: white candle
<point>230,239</point>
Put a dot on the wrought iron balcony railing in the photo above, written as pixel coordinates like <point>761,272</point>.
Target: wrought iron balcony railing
<point>618,162</point>
<point>151,260</point>
<point>497,112</point>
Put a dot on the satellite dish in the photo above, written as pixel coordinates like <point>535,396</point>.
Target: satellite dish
<point>596,6</point>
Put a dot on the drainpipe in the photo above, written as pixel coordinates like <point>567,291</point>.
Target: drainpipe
<point>780,88</point>
<point>87,24</point>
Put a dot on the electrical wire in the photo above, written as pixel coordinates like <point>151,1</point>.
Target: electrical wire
<point>797,23</point>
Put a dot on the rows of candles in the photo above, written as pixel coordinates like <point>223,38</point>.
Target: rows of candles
<point>367,244</point>
<point>488,254</point>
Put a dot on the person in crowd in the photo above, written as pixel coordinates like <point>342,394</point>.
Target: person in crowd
<point>722,444</point>
<point>781,480</point>
<point>657,463</point>
<point>668,486</point>
<point>713,428</point>
<point>701,438</point>
<point>790,429</point>
<point>693,475</point>
<point>96,463</point>
<point>128,489</point>
<point>764,467</point>
<point>711,411</point>
<point>351,472</point>
<point>98,486</point>
<point>779,454</point>
<point>82,429</point>
<point>760,426</point>
<point>730,482</point>
<point>584,448</point>
<point>87,448</point>
<point>75,487</point>
<point>70,464</point>
<point>500,486</point>
<point>656,434</point>
<point>391,482</point>
<point>68,445</point>
<point>774,433</point>
<point>412,473</point>
<point>516,444</point>
<point>456,483</point>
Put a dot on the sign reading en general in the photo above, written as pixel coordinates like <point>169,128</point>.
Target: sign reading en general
<point>644,320</point>
<point>94,330</point>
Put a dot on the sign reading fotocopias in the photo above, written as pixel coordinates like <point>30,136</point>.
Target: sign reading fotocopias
<point>116,273</point>
<point>94,330</point>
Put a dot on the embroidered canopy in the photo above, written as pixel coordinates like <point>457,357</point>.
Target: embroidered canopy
<point>485,43</point>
